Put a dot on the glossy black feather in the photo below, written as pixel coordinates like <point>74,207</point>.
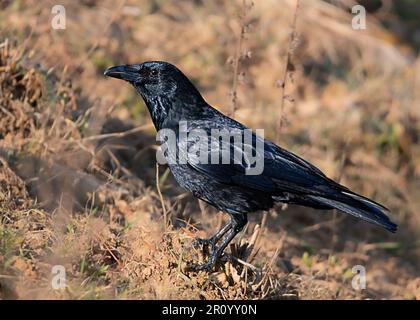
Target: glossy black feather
<point>171,97</point>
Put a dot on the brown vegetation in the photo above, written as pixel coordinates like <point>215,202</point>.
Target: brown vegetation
<point>77,152</point>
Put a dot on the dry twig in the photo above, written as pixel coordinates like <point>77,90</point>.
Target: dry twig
<point>287,68</point>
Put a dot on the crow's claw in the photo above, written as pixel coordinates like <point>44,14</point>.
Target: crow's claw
<point>199,243</point>
<point>209,249</point>
<point>206,267</point>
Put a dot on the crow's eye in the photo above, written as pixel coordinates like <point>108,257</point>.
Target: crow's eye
<point>153,72</point>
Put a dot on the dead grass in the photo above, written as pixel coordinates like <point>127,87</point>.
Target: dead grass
<point>76,191</point>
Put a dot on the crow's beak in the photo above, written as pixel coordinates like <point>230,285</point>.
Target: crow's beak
<point>126,72</point>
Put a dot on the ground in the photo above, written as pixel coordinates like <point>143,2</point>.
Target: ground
<point>79,187</point>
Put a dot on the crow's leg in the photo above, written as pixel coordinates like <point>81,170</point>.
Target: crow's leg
<point>232,229</point>
<point>211,242</point>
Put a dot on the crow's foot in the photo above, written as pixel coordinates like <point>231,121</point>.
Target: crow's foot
<point>223,237</point>
<point>204,244</point>
<point>209,249</point>
<point>197,267</point>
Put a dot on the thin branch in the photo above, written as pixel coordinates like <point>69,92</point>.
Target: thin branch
<point>286,70</point>
<point>339,177</point>
<point>255,248</point>
<point>238,55</point>
<point>118,134</point>
<point>165,212</point>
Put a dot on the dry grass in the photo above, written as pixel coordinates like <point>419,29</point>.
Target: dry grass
<point>76,191</point>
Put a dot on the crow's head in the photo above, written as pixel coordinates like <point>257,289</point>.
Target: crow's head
<point>162,86</point>
<point>153,78</point>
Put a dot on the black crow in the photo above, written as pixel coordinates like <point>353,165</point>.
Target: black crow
<point>286,178</point>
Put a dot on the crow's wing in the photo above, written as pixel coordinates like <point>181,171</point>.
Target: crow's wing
<point>286,173</point>
<point>282,170</point>
<point>228,163</point>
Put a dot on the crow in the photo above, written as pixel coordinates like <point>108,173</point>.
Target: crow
<point>285,178</point>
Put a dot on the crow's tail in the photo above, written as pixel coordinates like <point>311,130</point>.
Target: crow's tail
<point>358,206</point>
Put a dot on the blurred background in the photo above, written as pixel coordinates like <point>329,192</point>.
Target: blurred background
<point>78,181</point>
